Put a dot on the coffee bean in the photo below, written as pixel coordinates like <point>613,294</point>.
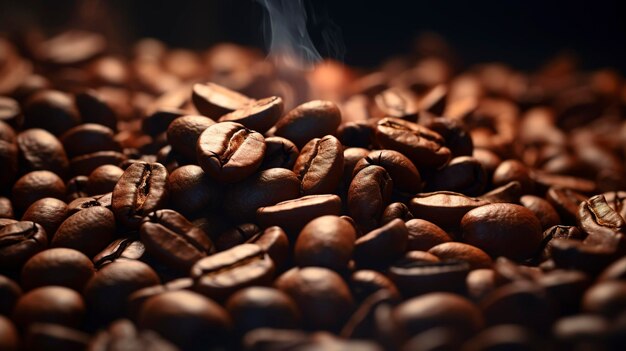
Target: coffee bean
<point>49,336</point>
<point>575,254</point>
<point>229,152</point>
<point>40,150</point>
<point>274,241</point>
<point>188,320</point>
<point>444,208</point>
<point>504,337</point>
<point>36,185</point>
<point>476,257</point>
<point>369,194</point>
<point>481,282</point>
<point>356,134</point>
<point>396,210</point>
<point>103,179</point>
<point>364,283</point>
<point>9,159</point>
<point>603,225</point>
<point>262,307</point>
<point>85,164</point>
<point>606,298</point>
<point>6,208</point>
<point>10,292</point>
<point>321,295</point>
<point>9,337</point>
<point>141,190</point>
<point>235,235</point>
<point>279,153</point>
<point>457,137</point>
<point>89,138</point>
<point>192,191</point>
<point>51,110</point>
<point>259,115</point>
<point>123,334</point>
<point>120,249</point>
<point>172,239</point>
<point>463,174</point>
<point>183,134</point>
<point>313,119</point>
<point>406,178</point>
<point>502,230</point>
<point>47,212</point>
<point>565,202</point>
<point>320,165</point>
<point>221,274</point>
<point>326,241</point>
<point>509,193</point>
<point>94,108</point>
<point>293,215</point>
<point>19,241</point>
<point>424,235</point>
<point>616,271</point>
<point>50,304</point>
<point>88,231</point>
<point>381,245</point>
<point>60,266</point>
<point>514,170</point>
<point>10,112</point>
<point>213,100</point>
<point>419,277</point>
<point>77,188</point>
<point>565,289</point>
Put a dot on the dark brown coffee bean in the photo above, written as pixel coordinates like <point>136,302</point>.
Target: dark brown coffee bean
<point>463,174</point>
<point>265,188</point>
<point>9,337</point>
<point>77,188</point>
<point>356,134</point>
<point>94,108</point>
<point>279,153</point>
<point>120,249</point>
<point>47,212</point>
<point>262,307</point>
<point>221,274</point>
<point>62,267</point>
<point>10,292</point>
<point>10,112</point>
<point>504,337</point>
<point>565,202</point>
<point>558,232</point>
<point>503,230</point>
<point>82,203</point>
<point>49,337</point>
<point>157,122</point>
<point>406,178</point>
<point>364,283</point>
<point>107,291</point>
<point>396,210</point>
<point>71,47</point>
<point>364,320</point>
<point>565,289</point>
<point>19,241</point>
<point>293,215</point>
<point>259,115</point>
<point>616,271</point>
<point>103,179</point>
<point>488,159</point>
<point>40,150</point>
<point>514,170</point>
<point>476,257</point>
<point>235,235</point>
<point>369,194</point>
<point>274,241</point>
<point>351,156</point>
<point>421,145</point>
<point>575,254</point>
<point>50,304</point>
<point>584,329</point>
<point>437,309</point>
<point>419,277</point>
<point>141,189</point>
<point>320,165</point>
<point>545,181</point>
<point>510,193</point>
<point>443,208</point>
<point>313,119</point>
<point>172,239</point>
<point>192,191</point>
<point>9,159</point>
<point>603,225</point>
<point>606,298</point>
<point>423,235</point>
<point>326,241</point>
<point>397,102</point>
<point>457,137</point>
<point>51,110</point>
<point>88,231</point>
<point>6,208</point>
<point>229,152</point>
<point>36,185</point>
<point>85,164</point>
<point>481,282</point>
<point>123,335</point>
<point>382,245</point>
<point>89,138</point>
<point>183,134</point>
<point>321,295</point>
<point>188,320</point>
<point>213,100</point>
<point>546,214</point>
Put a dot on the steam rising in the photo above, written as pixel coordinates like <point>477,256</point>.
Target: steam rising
<point>286,34</point>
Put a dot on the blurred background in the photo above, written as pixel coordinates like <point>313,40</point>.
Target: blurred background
<point>523,34</point>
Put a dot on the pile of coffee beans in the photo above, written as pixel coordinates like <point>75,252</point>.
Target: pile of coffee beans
<point>169,199</point>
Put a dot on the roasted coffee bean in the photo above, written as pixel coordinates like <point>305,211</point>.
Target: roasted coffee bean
<point>313,119</point>
<point>418,257</point>
<point>157,122</point>
<point>480,282</point>
<point>369,194</point>
<point>279,153</point>
<point>444,208</point>
<point>320,294</point>
<point>10,112</point>
<point>94,108</point>
<point>51,110</point>
<point>188,320</point>
<point>546,214</point>
<point>397,102</point>
<point>49,337</point>
<point>120,249</point>
<point>423,235</point>
<point>565,202</point>
<point>10,292</point>
<point>438,338</point>
<point>544,181</point>
<point>9,337</point>
<point>558,232</point>
<point>584,329</point>
<point>265,188</point>
<point>262,307</point>
<point>320,165</point>
<point>103,179</point>
<point>192,191</point>
<point>364,283</point>
<point>50,304</point>
<point>510,193</point>
<point>575,254</point>
<point>183,134</point>
<point>603,225</point>
<point>47,212</point>
<point>605,298</point>
<point>82,203</point>
<point>172,239</point>
<point>123,335</point>
<point>213,100</point>
<point>616,199</point>
<point>89,138</point>
<point>616,271</point>
<point>9,159</point>
<point>88,231</point>
<point>235,235</point>
<point>396,210</point>
<point>77,188</point>
<point>293,215</point>
<point>356,134</point>
<point>415,278</point>
<point>406,178</point>
<point>221,274</point>
<point>230,152</point>
<point>421,145</point>
<point>437,310</point>
<point>502,230</point>
<point>19,241</point>
<point>60,266</point>
<point>85,164</point>
<point>565,289</point>
<point>363,321</point>
<point>382,245</point>
<point>36,185</point>
<point>514,170</point>
<point>463,174</point>
<point>274,241</point>
<point>259,115</point>
<point>504,337</point>
<point>488,159</point>
<point>351,156</point>
<point>141,190</point>
<point>6,208</point>
<point>326,241</point>
<point>476,257</point>
<point>457,137</point>
<point>107,291</point>
<point>40,150</point>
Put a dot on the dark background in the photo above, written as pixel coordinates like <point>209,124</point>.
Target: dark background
<point>521,33</point>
